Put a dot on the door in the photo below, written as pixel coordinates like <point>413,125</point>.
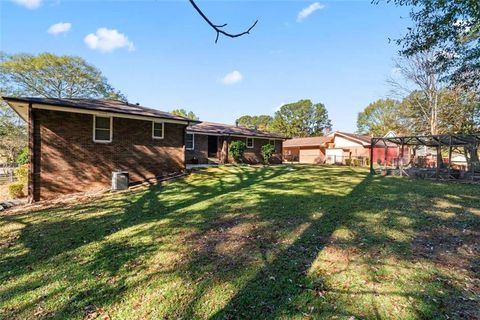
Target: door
<point>309,156</point>
<point>212,146</point>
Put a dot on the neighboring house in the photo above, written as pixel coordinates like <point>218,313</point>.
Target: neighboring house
<point>306,150</point>
<point>209,142</point>
<point>337,148</point>
<point>347,146</point>
<point>76,144</point>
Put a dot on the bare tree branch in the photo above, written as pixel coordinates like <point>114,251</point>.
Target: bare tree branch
<point>218,28</point>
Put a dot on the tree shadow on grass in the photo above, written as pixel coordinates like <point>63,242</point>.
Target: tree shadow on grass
<point>57,233</point>
<point>283,287</point>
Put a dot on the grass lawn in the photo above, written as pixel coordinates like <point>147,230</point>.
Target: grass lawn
<point>241,242</point>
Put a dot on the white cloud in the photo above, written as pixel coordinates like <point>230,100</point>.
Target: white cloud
<point>107,40</point>
<point>232,77</point>
<point>60,27</point>
<point>309,10</point>
<point>30,4</point>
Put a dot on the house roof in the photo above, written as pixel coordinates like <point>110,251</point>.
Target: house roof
<point>114,106</point>
<point>363,140</point>
<point>307,142</point>
<point>227,129</point>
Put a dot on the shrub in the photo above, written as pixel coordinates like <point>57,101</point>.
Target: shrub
<point>267,151</point>
<point>22,174</point>
<point>16,190</point>
<point>236,149</point>
<point>356,162</point>
<point>22,157</point>
<point>348,162</point>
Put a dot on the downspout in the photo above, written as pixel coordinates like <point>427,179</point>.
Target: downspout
<point>372,172</point>
<point>31,157</point>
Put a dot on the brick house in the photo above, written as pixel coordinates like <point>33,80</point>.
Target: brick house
<point>76,144</point>
<point>306,150</point>
<point>337,148</point>
<point>208,142</point>
<point>333,148</point>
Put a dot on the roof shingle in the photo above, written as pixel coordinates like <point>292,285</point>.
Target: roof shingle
<point>115,106</point>
<point>226,129</point>
<point>307,141</point>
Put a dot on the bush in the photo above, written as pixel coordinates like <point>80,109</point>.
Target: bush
<point>22,157</point>
<point>236,149</point>
<point>267,151</point>
<point>22,174</point>
<point>348,162</point>
<point>16,190</point>
<point>356,162</point>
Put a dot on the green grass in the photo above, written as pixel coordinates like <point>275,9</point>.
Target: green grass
<point>242,242</point>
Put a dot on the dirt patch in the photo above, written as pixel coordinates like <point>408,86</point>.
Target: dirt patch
<point>449,247</point>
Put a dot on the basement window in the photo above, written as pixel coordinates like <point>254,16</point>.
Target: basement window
<point>157,130</point>
<point>249,143</point>
<point>189,141</point>
<point>102,129</point>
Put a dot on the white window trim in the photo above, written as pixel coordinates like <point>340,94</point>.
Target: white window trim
<point>193,142</point>
<point>253,143</point>
<point>111,129</point>
<point>153,130</point>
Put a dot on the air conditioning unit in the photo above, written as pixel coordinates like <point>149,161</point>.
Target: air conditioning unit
<point>120,180</point>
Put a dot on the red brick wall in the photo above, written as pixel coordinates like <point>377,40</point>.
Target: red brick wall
<point>200,150</point>
<point>69,161</point>
<point>254,155</point>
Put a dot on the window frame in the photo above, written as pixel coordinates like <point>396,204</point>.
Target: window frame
<point>193,141</point>
<point>153,130</point>
<point>95,129</point>
<point>253,143</point>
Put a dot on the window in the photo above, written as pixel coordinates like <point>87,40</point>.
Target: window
<point>249,142</point>
<point>157,130</point>
<point>189,141</point>
<point>102,129</point>
<point>272,142</point>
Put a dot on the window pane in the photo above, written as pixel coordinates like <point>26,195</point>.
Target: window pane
<point>157,126</point>
<point>249,142</point>
<point>102,135</point>
<point>102,123</point>
<point>157,133</point>
<point>189,141</point>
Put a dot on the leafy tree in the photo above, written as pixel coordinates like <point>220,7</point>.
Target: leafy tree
<point>52,76</point>
<point>13,135</point>
<point>261,122</point>
<point>451,28</point>
<point>237,149</point>
<point>22,157</point>
<point>380,117</point>
<point>458,111</point>
<point>267,152</point>
<point>185,113</point>
<point>301,119</point>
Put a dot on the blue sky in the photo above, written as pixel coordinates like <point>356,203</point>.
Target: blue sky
<point>162,54</point>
